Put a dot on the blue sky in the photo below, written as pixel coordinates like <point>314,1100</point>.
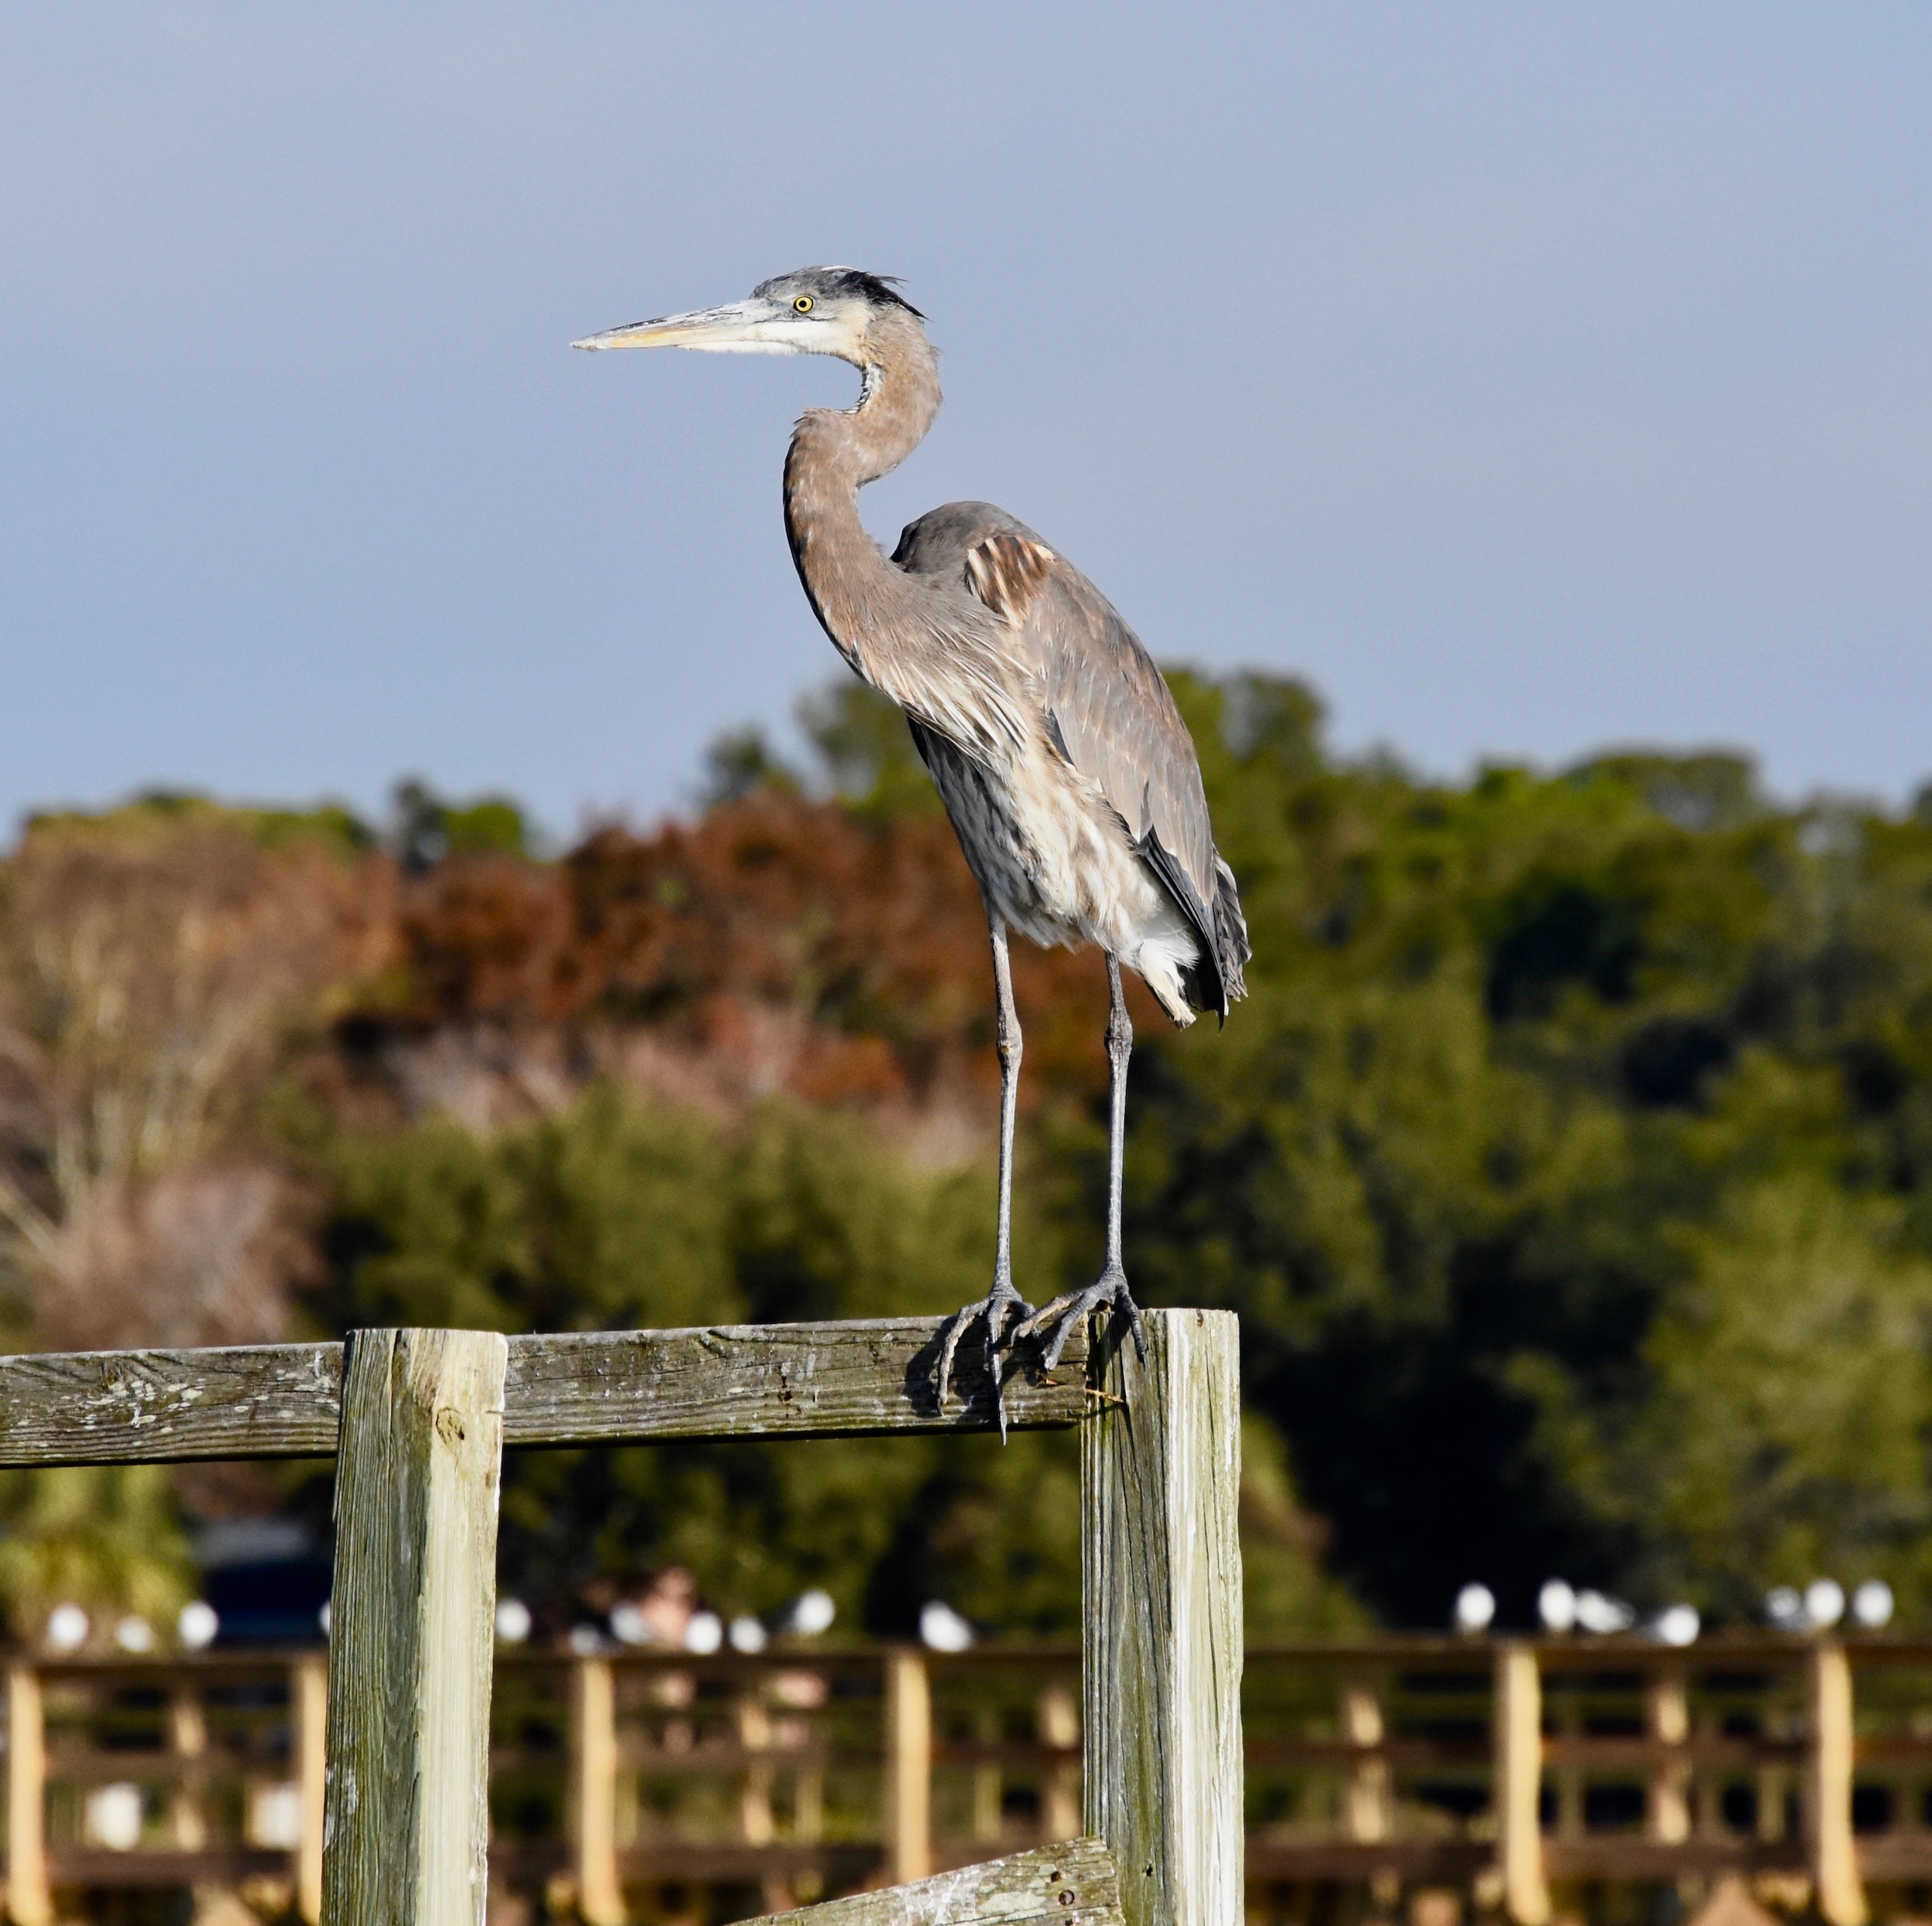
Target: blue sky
<point>1532,379</point>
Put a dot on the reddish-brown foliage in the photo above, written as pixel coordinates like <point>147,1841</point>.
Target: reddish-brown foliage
<point>776,943</point>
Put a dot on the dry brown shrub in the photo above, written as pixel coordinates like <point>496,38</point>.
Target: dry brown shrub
<point>193,1256</point>
<point>777,943</point>
<point>151,970</point>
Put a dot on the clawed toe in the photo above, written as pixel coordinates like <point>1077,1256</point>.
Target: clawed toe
<point>1009,1317</point>
<point>1002,1307</point>
<point>1070,1311</point>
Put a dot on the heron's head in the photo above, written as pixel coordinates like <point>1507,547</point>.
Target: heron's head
<point>813,311</point>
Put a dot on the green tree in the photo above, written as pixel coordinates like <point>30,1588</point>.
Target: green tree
<point>1523,1060</point>
<point>614,1212</point>
<point>105,1537</point>
<point>1785,1433</point>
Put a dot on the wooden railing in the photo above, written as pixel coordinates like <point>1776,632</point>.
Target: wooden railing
<point>203,1771</point>
<point>792,1778</point>
<point>418,1420</point>
<point>789,1777</point>
<point>1507,1771</point>
<point>1513,1771</point>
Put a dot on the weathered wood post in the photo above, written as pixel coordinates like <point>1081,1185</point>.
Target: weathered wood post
<point>756,1824</point>
<point>909,1766</point>
<point>594,1769</point>
<point>1517,1784</point>
<point>1835,1867</point>
<point>1565,1716</point>
<point>988,1785</point>
<point>29,1903</point>
<point>1056,1723</point>
<point>1161,1584</point>
<point>188,1739</point>
<point>412,1629</point>
<point>1366,1802</point>
<point>308,1689</point>
<point>1667,1798</point>
<point>808,1776</point>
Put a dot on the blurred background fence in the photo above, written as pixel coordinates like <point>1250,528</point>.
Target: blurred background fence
<point>1585,1777</point>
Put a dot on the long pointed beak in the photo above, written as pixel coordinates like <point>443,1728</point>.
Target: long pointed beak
<point>728,327</point>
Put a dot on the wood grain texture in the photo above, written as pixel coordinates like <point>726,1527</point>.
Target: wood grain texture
<point>1073,1882</point>
<point>846,1380</point>
<point>1160,1585</point>
<point>412,1630</point>
<point>133,1407</point>
<point>284,1400</point>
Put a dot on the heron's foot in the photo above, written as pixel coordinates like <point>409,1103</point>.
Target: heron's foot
<point>1068,1312</point>
<point>1002,1307</point>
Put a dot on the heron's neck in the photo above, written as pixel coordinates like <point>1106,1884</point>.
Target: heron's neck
<point>857,594</point>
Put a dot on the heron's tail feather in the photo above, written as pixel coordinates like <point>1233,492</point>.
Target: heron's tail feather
<point>1213,980</point>
<point>1231,933</point>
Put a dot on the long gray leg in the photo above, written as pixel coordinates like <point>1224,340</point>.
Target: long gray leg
<point>1068,1312</point>
<point>1012,1047</point>
<point>1119,1048</point>
<point>1002,1305</point>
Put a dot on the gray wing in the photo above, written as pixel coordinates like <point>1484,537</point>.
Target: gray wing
<point>1108,707</point>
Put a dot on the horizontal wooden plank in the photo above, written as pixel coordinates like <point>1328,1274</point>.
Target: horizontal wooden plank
<point>76,1763</point>
<point>227,1665</point>
<point>1010,1752</point>
<point>1621,1654</point>
<point>1895,1855</point>
<point>1887,1857</point>
<point>1074,1882</point>
<point>848,1379</point>
<point>847,1863</point>
<point>1894,1748</point>
<point>152,1866</point>
<point>1634,1755</point>
<point>1423,1861</point>
<point>858,1379</point>
<point>1563,1749</point>
<point>1611,1856</point>
<point>1629,1856</point>
<point>1402,1755</point>
<point>131,1407</point>
<point>710,1756</point>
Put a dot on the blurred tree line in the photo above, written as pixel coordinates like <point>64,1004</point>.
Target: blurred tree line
<point>1570,1164</point>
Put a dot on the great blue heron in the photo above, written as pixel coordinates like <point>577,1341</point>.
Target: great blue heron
<point>1065,766</point>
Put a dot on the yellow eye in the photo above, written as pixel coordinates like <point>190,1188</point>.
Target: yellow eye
<point>803,304</point>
